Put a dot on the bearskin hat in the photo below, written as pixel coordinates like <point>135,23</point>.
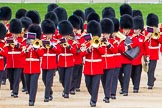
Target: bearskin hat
<point>137,13</point>
<point>107,26</point>
<point>125,9</point>
<point>35,28</point>
<point>5,13</point>
<point>3,31</point>
<point>61,13</point>
<point>126,21</point>
<point>34,16</point>
<point>79,13</point>
<point>20,13</point>
<point>152,20</point>
<point>94,28</point>
<point>15,26</point>
<point>108,12</point>
<point>48,27</point>
<point>52,16</point>
<point>88,11</point>
<point>75,21</point>
<point>26,22</point>
<point>51,7</point>
<point>138,23</point>
<point>93,16</point>
<point>116,24</point>
<point>65,28</point>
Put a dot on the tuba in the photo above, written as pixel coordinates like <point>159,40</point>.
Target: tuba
<point>37,43</point>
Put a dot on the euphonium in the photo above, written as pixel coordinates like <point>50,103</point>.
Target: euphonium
<point>95,42</point>
<point>37,43</point>
<point>120,35</point>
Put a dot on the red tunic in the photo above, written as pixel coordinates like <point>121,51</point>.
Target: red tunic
<point>14,58</point>
<point>93,61</point>
<point>66,57</point>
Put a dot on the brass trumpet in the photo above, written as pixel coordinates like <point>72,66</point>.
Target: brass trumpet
<point>155,35</point>
<point>37,43</point>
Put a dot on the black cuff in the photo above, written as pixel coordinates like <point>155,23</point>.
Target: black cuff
<point>18,45</point>
<point>78,51</point>
<point>51,46</point>
<point>109,46</point>
<point>129,47</point>
<point>88,50</point>
<point>35,49</point>
<point>69,47</point>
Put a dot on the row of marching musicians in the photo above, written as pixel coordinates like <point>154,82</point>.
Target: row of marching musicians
<point>109,52</point>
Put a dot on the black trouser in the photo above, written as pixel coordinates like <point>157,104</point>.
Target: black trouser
<point>151,72</point>
<point>106,79</point>
<point>92,84</point>
<point>76,77</point>
<point>4,74</point>
<point>66,78</point>
<point>1,73</point>
<point>32,85</point>
<point>23,81</point>
<point>136,76</point>
<point>14,76</point>
<point>115,81</point>
<point>47,77</point>
<point>126,74</point>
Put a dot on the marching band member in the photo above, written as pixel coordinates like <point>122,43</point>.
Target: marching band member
<point>61,13</point>
<point>32,52</point>
<point>26,22</point>
<point>108,12</point>
<point>51,7</point>
<point>20,13</point>
<point>108,58</point>
<point>49,64</point>
<point>15,61</point>
<point>138,26</point>
<point>93,68</point>
<point>126,24</point>
<point>117,59</point>
<point>77,71</point>
<point>5,16</point>
<point>66,57</point>
<point>153,21</point>
<point>125,9</point>
<point>3,52</point>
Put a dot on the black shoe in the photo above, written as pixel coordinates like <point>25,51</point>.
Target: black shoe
<point>77,89</point>
<point>106,100</point>
<point>31,103</point>
<point>66,95</point>
<point>135,91</point>
<point>93,104</point>
<point>72,92</point>
<point>125,94</point>
<point>121,91</point>
<point>51,98</point>
<point>3,82</point>
<point>15,96</point>
<point>63,94</point>
<point>27,92</point>
<point>150,87</point>
<point>113,97</point>
<point>23,90</point>
<point>46,100</point>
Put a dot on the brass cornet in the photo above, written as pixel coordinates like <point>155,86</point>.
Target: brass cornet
<point>37,43</point>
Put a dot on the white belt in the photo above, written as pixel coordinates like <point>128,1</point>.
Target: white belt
<point>93,60</point>
<point>32,59</point>
<point>47,54</point>
<point>107,55</point>
<point>117,54</point>
<point>1,57</point>
<point>14,52</point>
<point>66,54</point>
<point>151,47</point>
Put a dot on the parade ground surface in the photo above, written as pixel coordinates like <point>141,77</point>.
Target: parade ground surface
<point>144,99</point>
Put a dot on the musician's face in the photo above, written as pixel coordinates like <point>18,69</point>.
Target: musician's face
<point>4,22</point>
<point>106,35</point>
<point>49,36</point>
<point>137,31</point>
<point>126,31</point>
